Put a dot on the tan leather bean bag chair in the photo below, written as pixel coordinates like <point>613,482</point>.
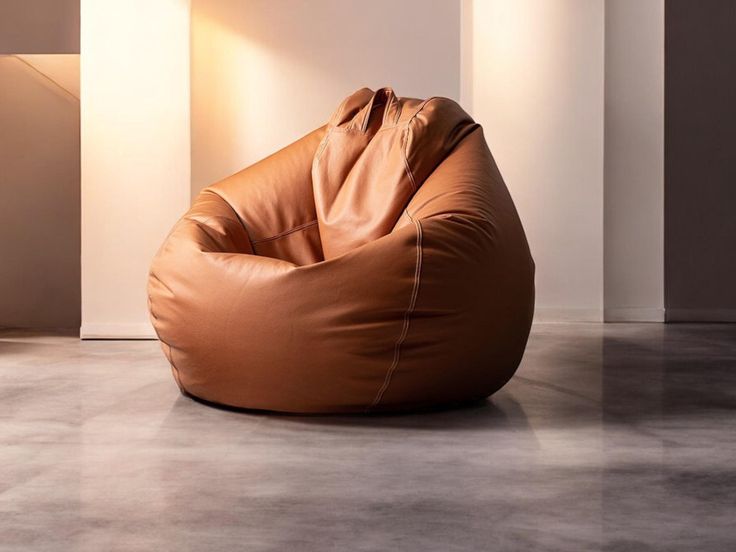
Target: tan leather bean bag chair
<point>376,264</point>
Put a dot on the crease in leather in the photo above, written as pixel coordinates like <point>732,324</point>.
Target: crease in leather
<point>175,370</point>
<point>167,288</point>
<point>237,216</point>
<point>286,232</point>
<point>358,190</point>
<point>206,232</point>
<point>170,356</point>
<point>405,138</point>
<point>323,145</point>
<point>407,322</point>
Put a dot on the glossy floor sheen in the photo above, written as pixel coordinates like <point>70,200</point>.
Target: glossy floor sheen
<point>617,438</point>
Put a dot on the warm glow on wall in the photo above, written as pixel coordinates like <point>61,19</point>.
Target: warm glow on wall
<point>266,73</point>
<point>135,152</point>
<point>234,81</point>
<point>537,88</point>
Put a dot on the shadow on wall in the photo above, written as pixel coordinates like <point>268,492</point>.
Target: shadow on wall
<point>261,77</point>
<point>39,192</point>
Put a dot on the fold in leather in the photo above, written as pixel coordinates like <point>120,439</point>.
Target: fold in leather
<point>378,263</point>
<point>368,166</point>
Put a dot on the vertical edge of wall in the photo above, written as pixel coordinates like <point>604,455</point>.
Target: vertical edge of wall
<point>135,153</point>
<point>634,162</point>
<point>538,90</point>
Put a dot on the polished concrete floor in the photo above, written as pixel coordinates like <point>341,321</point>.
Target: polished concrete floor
<point>618,438</point>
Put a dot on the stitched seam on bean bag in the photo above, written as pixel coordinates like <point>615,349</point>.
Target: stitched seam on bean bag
<point>407,133</point>
<point>406,159</point>
<point>407,320</point>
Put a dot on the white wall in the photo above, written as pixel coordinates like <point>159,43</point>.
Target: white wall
<point>538,90</point>
<point>264,73</point>
<point>135,152</point>
<point>634,160</point>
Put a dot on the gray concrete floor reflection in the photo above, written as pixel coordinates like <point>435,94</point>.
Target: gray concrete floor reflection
<point>615,437</point>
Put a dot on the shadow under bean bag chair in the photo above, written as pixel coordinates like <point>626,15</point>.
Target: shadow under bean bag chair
<point>376,264</point>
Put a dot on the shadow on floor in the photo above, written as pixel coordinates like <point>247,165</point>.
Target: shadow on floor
<point>499,411</point>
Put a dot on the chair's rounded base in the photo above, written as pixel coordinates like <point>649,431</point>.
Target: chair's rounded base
<point>355,271</point>
<point>397,411</point>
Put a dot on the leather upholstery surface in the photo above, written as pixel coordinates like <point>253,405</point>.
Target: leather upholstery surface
<point>376,264</point>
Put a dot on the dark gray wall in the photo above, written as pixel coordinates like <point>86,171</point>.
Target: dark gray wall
<point>700,160</point>
<point>39,200</point>
<point>39,26</point>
